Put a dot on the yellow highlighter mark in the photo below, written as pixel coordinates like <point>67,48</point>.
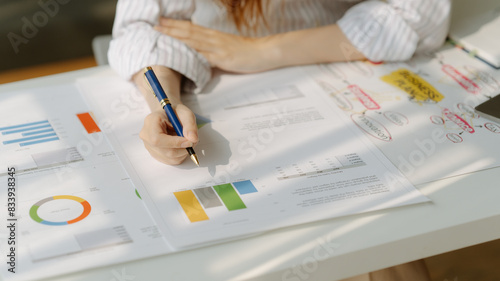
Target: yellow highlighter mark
<point>419,90</point>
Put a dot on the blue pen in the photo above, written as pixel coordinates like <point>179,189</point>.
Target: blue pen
<point>165,103</point>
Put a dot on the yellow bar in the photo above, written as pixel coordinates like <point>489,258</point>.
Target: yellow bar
<point>191,206</point>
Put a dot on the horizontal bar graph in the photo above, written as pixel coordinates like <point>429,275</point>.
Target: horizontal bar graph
<point>37,132</point>
<point>196,202</point>
<point>23,125</point>
<point>38,141</point>
<point>25,129</point>
<point>29,138</point>
<point>27,134</point>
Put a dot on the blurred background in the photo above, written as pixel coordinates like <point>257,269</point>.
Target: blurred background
<point>41,37</point>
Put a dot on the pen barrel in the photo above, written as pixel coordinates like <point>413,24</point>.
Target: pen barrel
<point>173,119</point>
<point>190,150</point>
<point>155,85</point>
<point>163,99</point>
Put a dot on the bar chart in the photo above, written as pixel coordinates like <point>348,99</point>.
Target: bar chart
<point>195,202</point>
<point>27,134</point>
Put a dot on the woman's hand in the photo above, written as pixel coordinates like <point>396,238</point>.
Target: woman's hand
<point>247,55</point>
<point>160,139</point>
<point>223,50</point>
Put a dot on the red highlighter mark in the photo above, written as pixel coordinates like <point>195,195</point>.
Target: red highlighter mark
<point>462,80</point>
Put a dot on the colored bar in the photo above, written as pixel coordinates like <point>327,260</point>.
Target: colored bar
<point>85,213</point>
<point>54,222</point>
<point>245,187</point>
<point>24,125</point>
<point>138,195</point>
<point>30,138</point>
<point>229,196</point>
<point>207,197</point>
<point>34,214</point>
<point>25,129</point>
<point>37,132</point>
<point>69,197</point>
<point>191,205</point>
<point>88,122</point>
<point>201,121</point>
<point>38,141</point>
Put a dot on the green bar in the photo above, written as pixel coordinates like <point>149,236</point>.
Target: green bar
<point>229,196</point>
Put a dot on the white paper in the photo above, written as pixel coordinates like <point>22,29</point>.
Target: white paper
<point>426,139</point>
<point>274,132</point>
<point>76,206</point>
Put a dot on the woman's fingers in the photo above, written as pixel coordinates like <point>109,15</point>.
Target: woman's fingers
<point>188,121</point>
<point>185,29</point>
<point>168,149</point>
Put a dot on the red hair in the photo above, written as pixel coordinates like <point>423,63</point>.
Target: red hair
<point>242,11</point>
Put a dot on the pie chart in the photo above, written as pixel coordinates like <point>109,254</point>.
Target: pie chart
<point>36,217</point>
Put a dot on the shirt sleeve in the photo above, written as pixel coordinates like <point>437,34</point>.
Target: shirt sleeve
<point>395,30</point>
<point>136,44</point>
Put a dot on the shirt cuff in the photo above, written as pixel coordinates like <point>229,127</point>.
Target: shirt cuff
<point>132,52</point>
<point>378,32</point>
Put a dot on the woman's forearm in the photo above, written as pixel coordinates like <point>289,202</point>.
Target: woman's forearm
<point>308,46</point>
<point>170,81</point>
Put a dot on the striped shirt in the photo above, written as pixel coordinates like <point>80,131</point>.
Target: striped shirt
<point>391,30</point>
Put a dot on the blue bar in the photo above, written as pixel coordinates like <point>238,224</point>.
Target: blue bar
<point>245,187</point>
<point>26,129</point>
<point>24,125</point>
<point>37,132</point>
<point>30,138</point>
<point>38,141</point>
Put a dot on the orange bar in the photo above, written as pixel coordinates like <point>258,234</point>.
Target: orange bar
<point>88,122</point>
<point>191,206</point>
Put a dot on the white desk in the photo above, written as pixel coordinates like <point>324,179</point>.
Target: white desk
<point>464,211</point>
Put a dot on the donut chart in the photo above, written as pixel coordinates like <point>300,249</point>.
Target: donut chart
<point>34,210</point>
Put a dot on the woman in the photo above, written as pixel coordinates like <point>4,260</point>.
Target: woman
<point>184,39</point>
